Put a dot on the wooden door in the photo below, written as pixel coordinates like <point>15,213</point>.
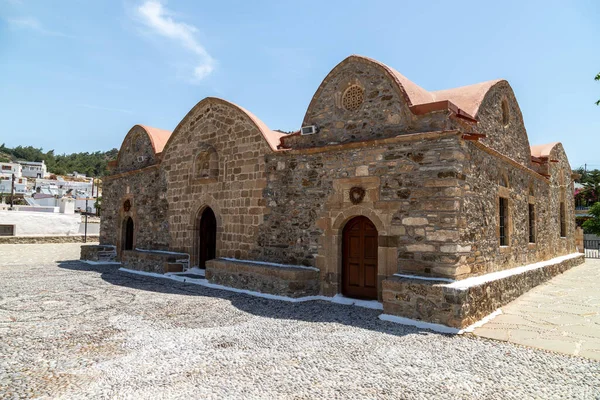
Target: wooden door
<point>207,237</point>
<point>128,234</point>
<point>359,259</point>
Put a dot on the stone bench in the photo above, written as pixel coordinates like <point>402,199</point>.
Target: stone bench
<point>278,279</point>
<point>156,261</point>
<point>98,252</point>
<point>461,303</point>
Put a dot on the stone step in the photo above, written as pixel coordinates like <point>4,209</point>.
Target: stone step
<point>173,267</point>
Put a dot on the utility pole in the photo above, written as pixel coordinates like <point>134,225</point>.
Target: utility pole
<point>12,193</point>
<point>86,217</point>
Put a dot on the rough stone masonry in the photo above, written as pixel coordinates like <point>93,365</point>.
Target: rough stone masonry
<point>396,192</point>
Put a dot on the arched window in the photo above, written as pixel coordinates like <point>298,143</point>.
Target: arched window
<point>503,180</point>
<point>206,165</point>
<point>505,112</point>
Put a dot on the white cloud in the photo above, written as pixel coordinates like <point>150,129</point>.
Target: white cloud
<point>34,25</point>
<point>155,16</point>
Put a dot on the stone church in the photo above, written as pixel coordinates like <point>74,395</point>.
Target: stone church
<point>433,203</point>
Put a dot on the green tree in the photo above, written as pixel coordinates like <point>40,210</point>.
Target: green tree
<point>592,225</point>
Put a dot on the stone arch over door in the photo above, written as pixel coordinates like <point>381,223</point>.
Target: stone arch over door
<point>330,257</point>
<point>128,233</point>
<point>204,202</point>
<point>127,229</point>
<point>205,238</point>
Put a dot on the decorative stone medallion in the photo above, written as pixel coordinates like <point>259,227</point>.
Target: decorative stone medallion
<point>127,205</point>
<point>357,194</point>
<point>353,98</point>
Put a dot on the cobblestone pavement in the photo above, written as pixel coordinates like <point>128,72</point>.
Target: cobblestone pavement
<point>71,330</point>
<point>561,315</point>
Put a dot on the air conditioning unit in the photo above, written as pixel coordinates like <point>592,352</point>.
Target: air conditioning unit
<point>141,158</point>
<point>309,130</point>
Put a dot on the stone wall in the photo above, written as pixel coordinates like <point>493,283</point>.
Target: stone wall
<point>413,189</point>
<point>233,191</point>
<point>509,139</point>
<point>98,253</point>
<point>461,304</point>
<point>145,189</point>
<point>290,281</point>
<point>47,239</point>
<point>479,235</point>
<point>154,261</point>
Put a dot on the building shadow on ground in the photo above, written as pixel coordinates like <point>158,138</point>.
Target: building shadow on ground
<point>318,311</point>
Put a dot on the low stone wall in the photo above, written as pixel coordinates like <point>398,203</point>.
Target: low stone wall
<point>154,261</point>
<point>98,252</point>
<point>47,239</point>
<point>462,303</point>
<point>291,281</point>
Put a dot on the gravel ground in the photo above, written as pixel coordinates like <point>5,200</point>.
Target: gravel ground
<point>71,330</point>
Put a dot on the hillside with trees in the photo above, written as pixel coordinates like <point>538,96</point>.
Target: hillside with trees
<point>91,164</point>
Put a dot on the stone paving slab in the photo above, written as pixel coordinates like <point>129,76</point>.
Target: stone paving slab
<point>562,315</point>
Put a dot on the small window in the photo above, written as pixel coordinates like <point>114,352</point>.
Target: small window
<point>563,223</point>
<point>6,168</point>
<point>7,230</point>
<point>505,113</point>
<point>503,217</point>
<point>531,223</point>
<point>353,98</point>
<point>503,180</point>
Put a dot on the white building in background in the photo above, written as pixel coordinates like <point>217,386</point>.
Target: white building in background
<point>61,187</point>
<point>34,169</point>
<point>11,168</point>
<point>6,172</point>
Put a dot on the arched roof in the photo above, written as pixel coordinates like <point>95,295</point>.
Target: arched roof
<point>543,150</point>
<point>158,137</point>
<point>271,137</point>
<point>466,98</point>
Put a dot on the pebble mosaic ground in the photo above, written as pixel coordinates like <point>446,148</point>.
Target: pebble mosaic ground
<point>72,330</point>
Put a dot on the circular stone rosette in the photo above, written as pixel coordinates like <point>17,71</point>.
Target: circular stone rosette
<point>357,195</point>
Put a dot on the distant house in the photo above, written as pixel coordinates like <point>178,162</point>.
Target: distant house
<point>7,170</point>
<point>34,169</point>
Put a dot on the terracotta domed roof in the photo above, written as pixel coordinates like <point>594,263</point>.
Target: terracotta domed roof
<point>542,150</point>
<point>272,137</point>
<point>467,98</point>
<point>158,137</point>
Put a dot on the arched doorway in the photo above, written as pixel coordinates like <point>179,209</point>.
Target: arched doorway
<point>359,259</point>
<point>206,237</point>
<point>128,234</point>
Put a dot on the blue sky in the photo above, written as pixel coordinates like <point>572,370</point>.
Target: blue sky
<point>75,75</point>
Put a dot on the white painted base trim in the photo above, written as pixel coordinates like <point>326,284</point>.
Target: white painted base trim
<point>419,324</point>
<point>338,299</point>
<point>269,263</point>
<point>439,327</point>
<point>100,262</point>
<point>493,276</point>
<point>193,271</point>
<point>425,278</point>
